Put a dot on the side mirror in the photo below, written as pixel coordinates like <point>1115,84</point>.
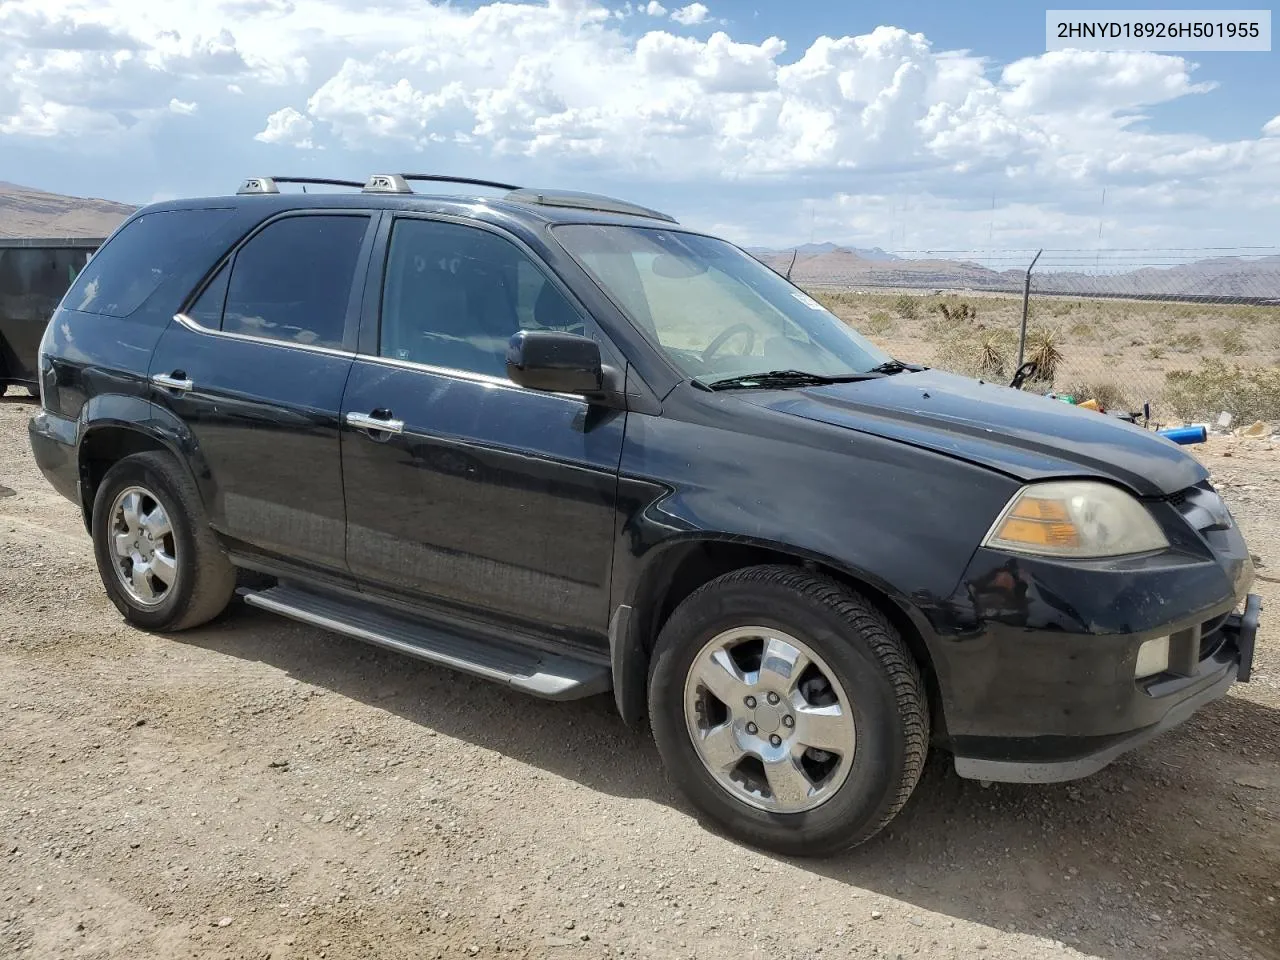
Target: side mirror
<point>555,361</point>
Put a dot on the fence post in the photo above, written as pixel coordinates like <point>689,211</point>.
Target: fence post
<point>1026,298</point>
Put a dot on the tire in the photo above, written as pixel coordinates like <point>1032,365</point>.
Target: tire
<point>873,679</point>
<point>202,576</point>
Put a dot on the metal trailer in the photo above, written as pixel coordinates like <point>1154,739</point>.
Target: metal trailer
<point>34,274</point>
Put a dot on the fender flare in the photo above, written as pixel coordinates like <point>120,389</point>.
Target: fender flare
<point>631,625</point>
<point>158,426</point>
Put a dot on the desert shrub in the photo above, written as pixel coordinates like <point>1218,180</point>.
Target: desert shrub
<point>1248,394</point>
<point>975,352</point>
<point>956,312</point>
<point>832,299</point>
<point>907,306</point>
<point>877,324</point>
<point>1186,342</point>
<point>1042,347</point>
<point>993,356</point>
<point>1155,353</point>
<point>1082,329</point>
<point>1232,341</point>
<point>1110,395</point>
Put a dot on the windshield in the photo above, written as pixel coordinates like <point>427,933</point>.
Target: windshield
<point>713,310</point>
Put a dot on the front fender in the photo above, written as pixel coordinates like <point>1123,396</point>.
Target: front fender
<point>903,521</point>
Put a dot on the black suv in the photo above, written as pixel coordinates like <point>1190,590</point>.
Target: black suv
<point>559,441</point>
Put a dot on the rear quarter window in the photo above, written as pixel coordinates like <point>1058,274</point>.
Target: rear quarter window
<point>133,263</point>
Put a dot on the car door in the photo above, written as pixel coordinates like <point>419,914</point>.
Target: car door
<point>465,491</point>
<point>255,368</point>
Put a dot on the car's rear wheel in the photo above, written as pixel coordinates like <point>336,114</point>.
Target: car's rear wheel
<point>159,560</point>
<point>788,709</point>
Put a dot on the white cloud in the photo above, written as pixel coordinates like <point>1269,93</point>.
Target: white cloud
<point>183,107</point>
<point>563,85</point>
<point>89,68</point>
<point>693,13</point>
<point>287,126</point>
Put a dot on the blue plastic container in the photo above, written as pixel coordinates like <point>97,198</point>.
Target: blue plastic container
<point>1184,435</point>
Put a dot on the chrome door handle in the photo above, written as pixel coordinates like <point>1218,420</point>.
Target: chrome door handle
<point>365,421</point>
<point>173,383</point>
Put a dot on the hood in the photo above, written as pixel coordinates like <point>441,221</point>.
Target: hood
<point>1023,435</point>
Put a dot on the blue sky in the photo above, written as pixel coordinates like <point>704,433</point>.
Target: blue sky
<point>899,129</point>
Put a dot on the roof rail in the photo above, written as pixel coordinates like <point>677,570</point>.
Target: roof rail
<point>586,201</point>
<point>270,184</point>
<point>471,180</point>
<point>399,182</point>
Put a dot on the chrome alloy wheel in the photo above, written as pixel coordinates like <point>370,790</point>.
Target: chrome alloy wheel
<point>769,720</point>
<point>142,546</point>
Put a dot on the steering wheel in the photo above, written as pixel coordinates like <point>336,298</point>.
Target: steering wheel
<point>723,337</point>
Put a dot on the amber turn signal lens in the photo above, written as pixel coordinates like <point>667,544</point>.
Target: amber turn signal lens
<point>1036,522</point>
<point>1075,518</point>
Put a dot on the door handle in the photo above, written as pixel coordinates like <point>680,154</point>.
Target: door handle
<point>174,381</point>
<point>366,421</point>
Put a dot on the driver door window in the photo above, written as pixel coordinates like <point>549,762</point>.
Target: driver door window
<point>453,296</point>
<point>709,319</point>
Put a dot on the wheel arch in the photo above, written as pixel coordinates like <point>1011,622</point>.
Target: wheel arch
<point>113,428</point>
<point>679,567</point>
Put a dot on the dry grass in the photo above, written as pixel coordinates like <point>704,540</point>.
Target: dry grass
<point>1109,394</point>
<point>1250,394</point>
<point>1121,349</point>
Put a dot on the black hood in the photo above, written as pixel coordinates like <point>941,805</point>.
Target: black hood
<point>1023,435</point>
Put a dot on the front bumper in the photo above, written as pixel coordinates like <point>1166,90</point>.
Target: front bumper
<point>1173,699</point>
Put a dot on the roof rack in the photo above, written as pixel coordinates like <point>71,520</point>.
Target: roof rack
<point>399,183</point>
<point>270,184</point>
<point>470,180</point>
<point>586,201</point>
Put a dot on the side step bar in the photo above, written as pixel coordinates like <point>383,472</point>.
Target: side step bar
<point>532,671</point>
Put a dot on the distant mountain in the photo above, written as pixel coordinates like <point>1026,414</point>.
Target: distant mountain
<point>28,212</point>
<point>815,249</point>
<point>1215,278</point>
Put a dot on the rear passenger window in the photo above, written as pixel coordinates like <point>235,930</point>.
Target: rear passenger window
<point>293,280</point>
<point>126,271</point>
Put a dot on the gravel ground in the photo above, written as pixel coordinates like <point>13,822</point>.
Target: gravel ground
<point>256,788</point>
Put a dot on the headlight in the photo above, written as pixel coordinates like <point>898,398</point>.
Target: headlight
<point>1075,518</point>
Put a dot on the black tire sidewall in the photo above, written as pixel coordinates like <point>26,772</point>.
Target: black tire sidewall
<point>862,802</point>
<point>144,473</point>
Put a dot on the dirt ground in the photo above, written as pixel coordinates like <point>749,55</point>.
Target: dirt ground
<point>257,788</point>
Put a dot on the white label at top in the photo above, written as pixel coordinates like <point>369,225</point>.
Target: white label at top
<point>1162,30</point>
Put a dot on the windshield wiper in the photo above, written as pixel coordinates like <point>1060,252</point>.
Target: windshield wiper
<point>896,366</point>
<point>788,378</point>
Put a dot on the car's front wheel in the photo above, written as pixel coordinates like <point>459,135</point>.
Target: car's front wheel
<point>159,560</point>
<point>788,709</point>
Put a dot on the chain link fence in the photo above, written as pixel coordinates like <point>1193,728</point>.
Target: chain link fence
<point>1186,333</point>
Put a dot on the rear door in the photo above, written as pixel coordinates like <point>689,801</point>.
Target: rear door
<point>255,367</point>
<point>484,497</point>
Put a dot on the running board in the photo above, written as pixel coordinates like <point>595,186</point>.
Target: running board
<point>542,674</point>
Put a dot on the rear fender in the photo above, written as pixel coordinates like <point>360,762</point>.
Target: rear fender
<point>154,427</point>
